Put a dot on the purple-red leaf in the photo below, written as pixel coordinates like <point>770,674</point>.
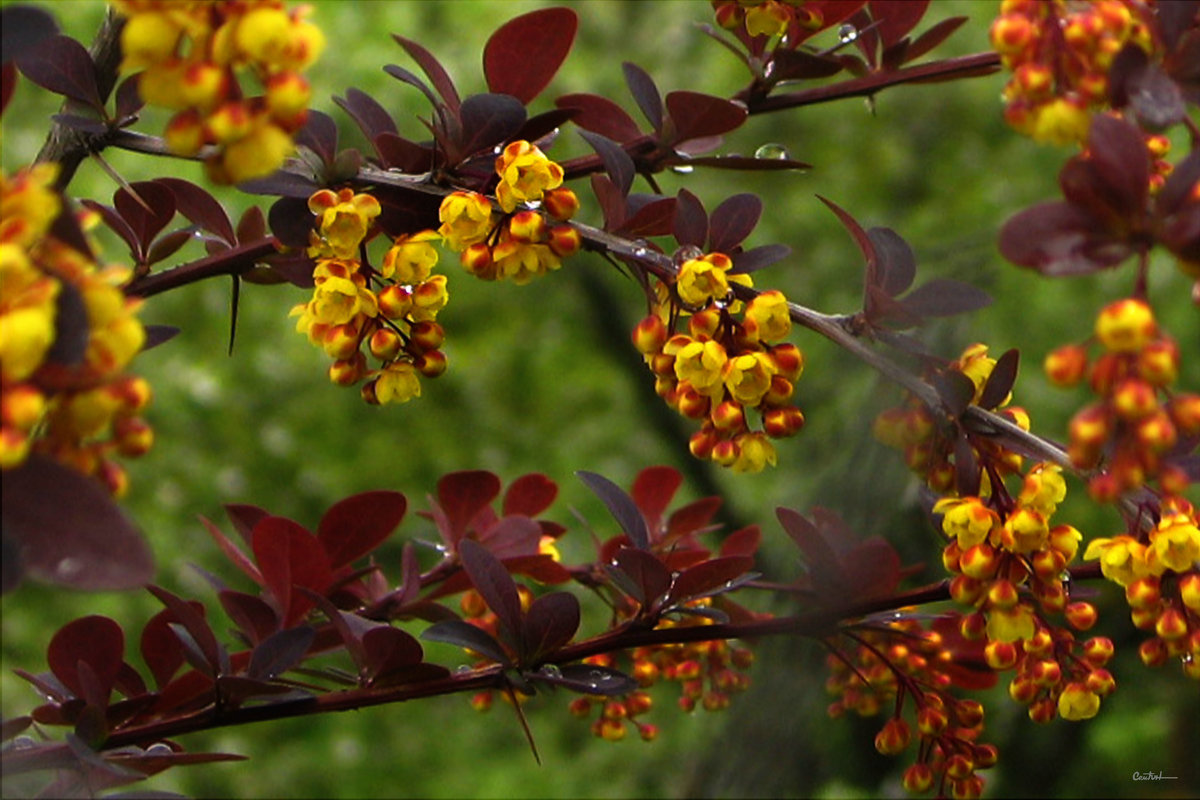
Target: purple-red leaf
<point>590,679</point>
<point>319,134</point>
<point>758,257</point>
<point>617,162</point>
<point>896,18</point>
<point>653,218</point>
<point>691,220</point>
<point>355,526</point>
<point>1118,151</point>
<point>1000,381</point>
<point>403,154</point>
<point>189,618</point>
<point>160,647</point>
<point>253,616</point>
<point>64,527</point>
<point>652,492</point>
<point>895,265</point>
<point>955,389</point>
<point>1058,238</point>
<point>600,115</point>
<point>232,551</point>
<point>742,542</point>
<point>71,330</point>
<point>372,118</point>
<point>550,623</point>
<point>200,208</point>
<point>824,568</point>
<point>463,634</point>
<point>488,120</point>
<point>512,536</point>
<point>933,37</point>
<point>522,56</point>
<point>279,652</point>
<point>289,556</point>
<point>695,115</point>
<point>790,65</point>
<point>24,29</point>
<point>63,66</point>
<point>611,200</point>
<point>944,297</point>
<point>707,577</point>
<point>645,93</point>
<point>95,641</point>
<point>433,70</point>
<point>856,231</point>
<point>529,495</point>
<point>494,585</point>
<point>967,475</point>
<point>388,650</point>
<point>732,221</point>
<point>462,495</point>
<point>621,506</point>
<point>646,573</point>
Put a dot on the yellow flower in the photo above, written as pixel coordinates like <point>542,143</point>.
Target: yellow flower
<point>1077,702</point>
<point>466,219</point>
<point>755,451</point>
<point>1010,624</point>
<point>411,258</point>
<point>27,314</point>
<point>1060,121</point>
<point>767,19</point>
<point>701,364</point>
<point>344,220</point>
<point>522,262</point>
<point>702,280</point>
<point>976,365</point>
<point>966,519</point>
<point>525,175</point>
<point>1175,543</point>
<point>748,377</point>
<point>1025,531</point>
<point>429,298</point>
<point>28,205</point>
<point>767,317</point>
<point>398,382</point>
<point>1122,558</point>
<point>340,294</point>
<point>1044,489</point>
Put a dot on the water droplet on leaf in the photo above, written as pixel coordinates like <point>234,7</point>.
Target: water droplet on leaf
<point>682,169</point>
<point>772,150</point>
<point>847,33</point>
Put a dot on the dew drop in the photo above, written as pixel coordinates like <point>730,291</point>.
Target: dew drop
<point>23,743</point>
<point>638,252</point>
<point>847,33</point>
<point>1187,659</point>
<point>462,669</point>
<point>551,670</point>
<point>772,150</point>
<point>159,749</point>
<point>683,169</point>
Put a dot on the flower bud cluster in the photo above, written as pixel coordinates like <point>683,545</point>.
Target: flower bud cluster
<point>887,665</point>
<point>522,245</point>
<point>392,309</point>
<point>1136,420</point>
<point>708,675</point>
<point>191,56</point>
<point>67,399</point>
<point>1059,54</point>
<point>767,17</point>
<point>928,443</point>
<point>1160,571</point>
<point>724,366</point>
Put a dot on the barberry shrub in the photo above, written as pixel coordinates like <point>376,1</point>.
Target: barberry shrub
<point>661,242</point>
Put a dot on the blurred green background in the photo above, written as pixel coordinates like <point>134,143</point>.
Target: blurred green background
<point>542,379</point>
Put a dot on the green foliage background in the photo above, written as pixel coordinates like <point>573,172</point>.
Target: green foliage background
<point>542,379</point>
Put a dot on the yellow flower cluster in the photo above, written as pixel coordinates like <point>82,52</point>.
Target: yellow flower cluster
<point>1059,54</point>
<point>1137,418</point>
<point>1160,571</point>
<point>522,245</point>
<point>392,309</point>
<point>725,365</point>
<point>929,447</point>
<point>190,55</point>
<point>767,17</point>
<point>62,391</point>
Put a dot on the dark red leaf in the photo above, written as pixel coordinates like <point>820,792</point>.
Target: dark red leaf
<point>611,200</point>
<point>24,29</point>
<point>707,576</point>
<point>646,572</point>
<point>253,616</point>
<point>691,220</point>
<point>758,257</point>
<point>129,101</point>
<point>407,76</point>
<point>790,65</point>
<point>319,134</point>
<point>389,650</point>
<point>8,79</point>
<point>967,475</point>
<point>433,70</point>
<point>461,495</point>
<point>944,297</point>
<point>494,585</point>
<point>542,129</point>
<point>463,634</point>
<point>288,556</point>
<point>742,542</point>
<point>160,647</point>
<point>63,66</point>
<point>896,18</point>
<point>67,530</point>
<point>513,536</point>
<point>279,652</point>
<point>372,118</point>
<point>621,506</point>
<point>824,567</point>
<point>732,221</point>
<point>530,495</point>
<point>590,679</point>
<point>232,552</point>
<point>933,37</point>
<point>872,569</point>
<point>115,222</point>
<point>856,231</point>
<point>692,518</point>
<point>617,162</point>
<point>1001,380</point>
<point>695,115</point>
<point>600,115</point>
<point>541,567</point>
<point>12,727</point>
<point>895,265</point>
<point>407,156</point>
<point>95,641</point>
<point>200,208</point>
<point>955,390</point>
<point>654,218</point>
<point>1057,238</point>
<point>190,620</point>
<point>71,330</point>
<point>252,226</point>
<point>355,526</point>
<point>1118,150</point>
<point>551,622</point>
<point>167,245</point>
<point>645,94</point>
<point>652,492</point>
<point>488,120</point>
<point>522,56</point>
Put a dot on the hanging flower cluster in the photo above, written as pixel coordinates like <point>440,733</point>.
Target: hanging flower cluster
<point>67,333</point>
<point>191,56</point>
<point>724,365</point>
<point>522,245</point>
<point>928,443</point>
<point>889,664</point>
<point>1160,570</point>
<point>1059,54</point>
<point>391,309</point>
<point>1136,421</point>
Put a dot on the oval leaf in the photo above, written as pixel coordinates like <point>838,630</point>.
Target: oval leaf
<point>494,584</point>
<point>355,526</point>
<point>697,115</point>
<point>95,641</point>
<point>279,652</point>
<point>1000,381</point>
<point>600,115</point>
<point>522,56</point>
<point>621,506</point>
<point>463,634</point>
<point>732,221</point>
<point>645,93</point>
<point>63,66</point>
<point>589,679</point>
<point>288,555</point>
<point>551,622</point>
<point>530,495</point>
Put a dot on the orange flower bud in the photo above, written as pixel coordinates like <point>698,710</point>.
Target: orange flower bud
<point>1189,591</point>
<point>1002,594</point>
<point>966,590</point>
<point>1126,326</point>
<point>347,371</point>
<point>1172,624</point>
<point>395,301</point>
<point>430,363</point>
<point>1000,655</point>
<point>1185,413</point>
<point>1156,432</point>
<point>1045,673</point>
<point>384,344</point>
<point>1101,682</point>
<point>1023,690</point>
<point>729,416</point>
<point>918,778</point>
<point>1012,33</point>
<point>561,203</point>
<point>1066,365</point>
<point>1090,427</point>
<point>1082,616</point>
<point>133,436</point>
<point>426,335</point>
<point>1098,650</point>
<point>1158,362</point>
<point>527,226</point>
<point>564,241</point>
<point>893,738</point>
<point>1134,398</point>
